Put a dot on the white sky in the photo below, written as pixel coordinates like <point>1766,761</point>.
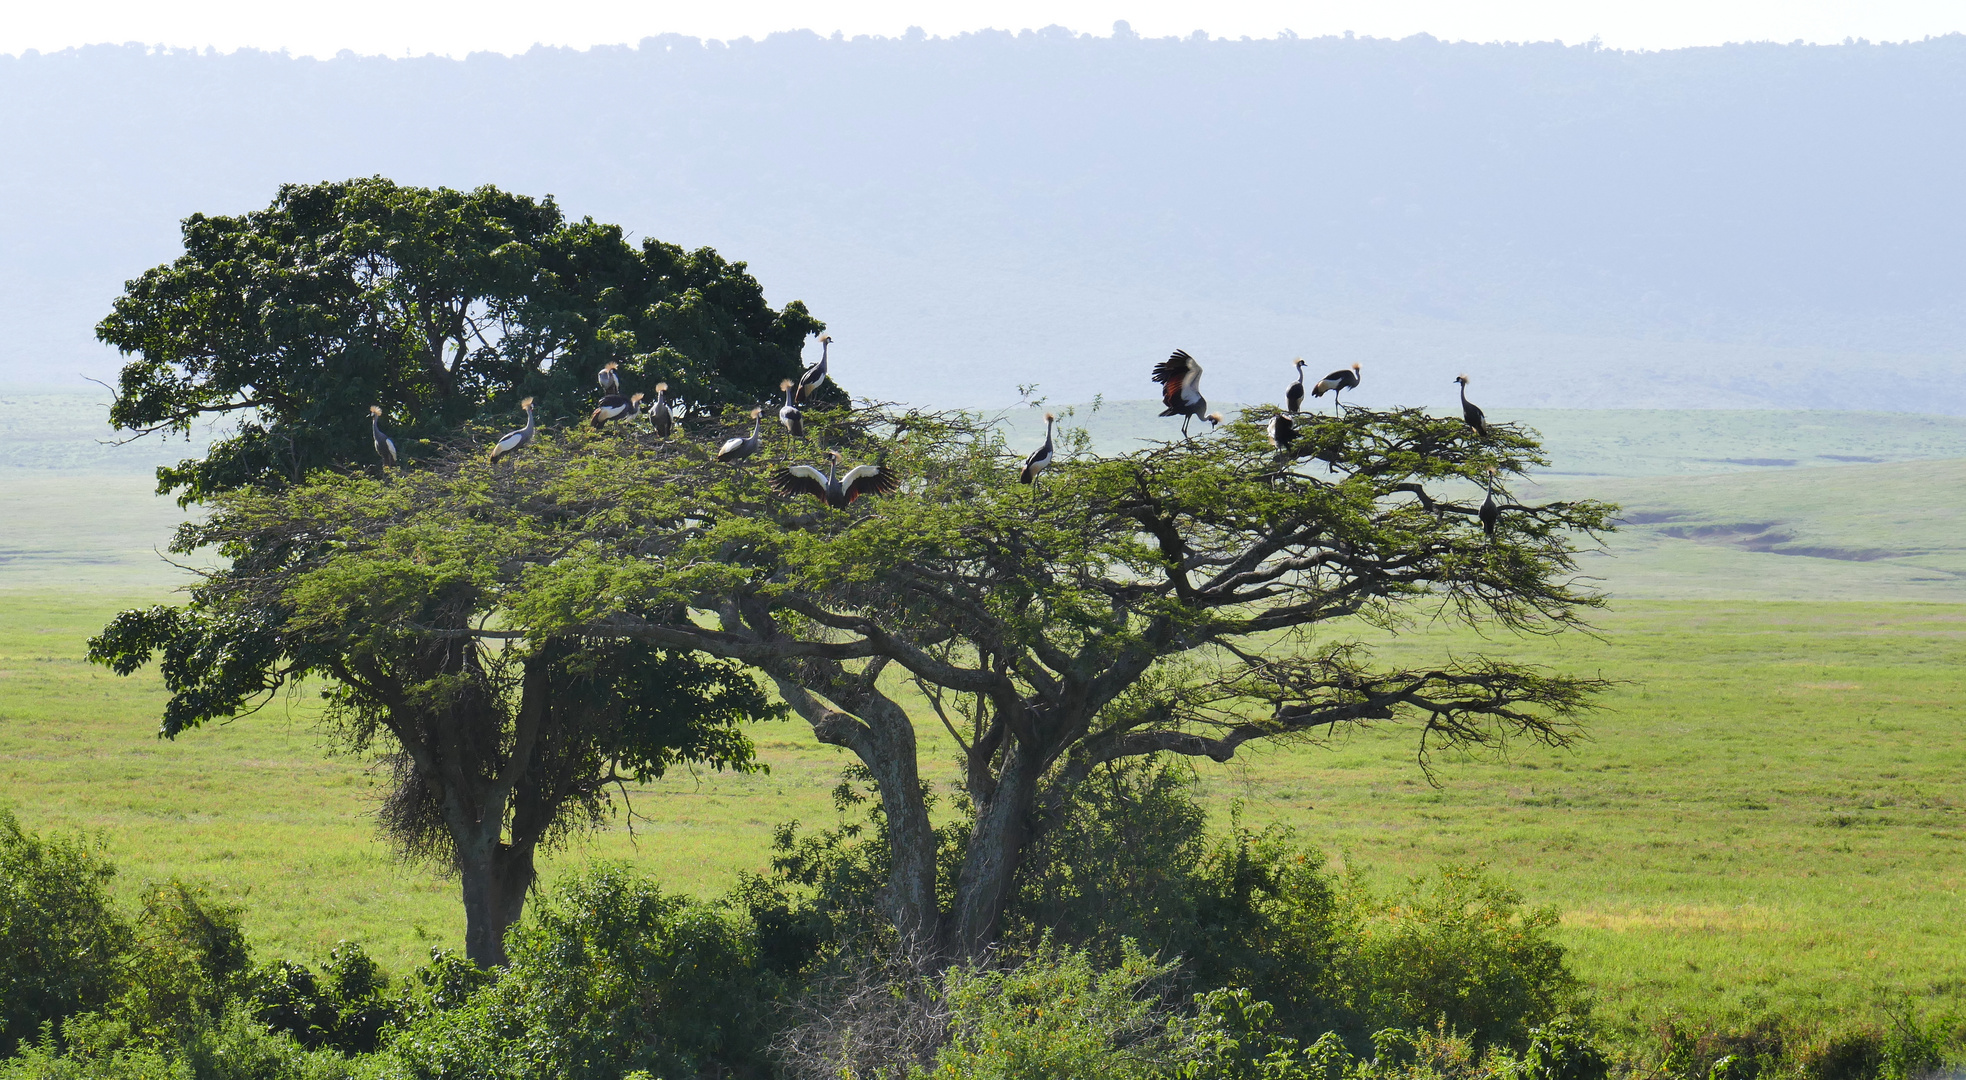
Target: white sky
<point>457,27</point>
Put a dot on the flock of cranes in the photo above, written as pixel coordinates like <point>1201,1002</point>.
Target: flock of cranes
<point>1179,377</point>
<point>829,487</point>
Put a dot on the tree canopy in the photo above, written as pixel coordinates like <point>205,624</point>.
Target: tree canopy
<point>1185,598</point>
<point>440,306</point>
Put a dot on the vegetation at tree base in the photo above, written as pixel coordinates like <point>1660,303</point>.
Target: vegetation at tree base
<point>59,940</point>
<point>612,977</point>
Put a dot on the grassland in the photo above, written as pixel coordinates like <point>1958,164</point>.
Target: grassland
<point>1767,815</point>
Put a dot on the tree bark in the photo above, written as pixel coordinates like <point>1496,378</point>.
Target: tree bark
<point>996,849</point>
<point>496,878</point>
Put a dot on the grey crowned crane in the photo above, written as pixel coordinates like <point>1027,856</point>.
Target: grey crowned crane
<point>810,378</point>
<point>739,449</point>
<point>1180,389</point>
<point>1471,412</point>
<point>1283,432</point>
<point>385,447</point>
<point>614,407</point>
<point>789,414</point>
<point>836,492</point>
<point>1490,514</point>
<point>1340,380</point>
<point>1041,458</point>
<point>610,382</point>
<point>1293,398</point>
<point>515,440</point>
<point>660,416</point>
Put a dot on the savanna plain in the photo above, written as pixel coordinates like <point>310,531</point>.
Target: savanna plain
<point>1766,815</point>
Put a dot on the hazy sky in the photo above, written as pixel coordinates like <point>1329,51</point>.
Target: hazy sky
<point>456,27</point>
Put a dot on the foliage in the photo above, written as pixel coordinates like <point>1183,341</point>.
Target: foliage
<point>1121,859</point>
<point>345,1007</point>
<point>1129,865</point>
<point>1233,1036</point>
<point>61,938</point>
<point>607,976</point>
<point>231,1046</point>
<point>1563,1049</point>
<point>440,306</point>
<point>1459,949</point>
<point>1900,1045</point>
<point>191,958</point>
<point>1056,1016</point>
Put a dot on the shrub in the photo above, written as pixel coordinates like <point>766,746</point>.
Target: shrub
<point>231,1046</point>
<point>1234,1036</point>
<point>189,960</point>
<point>345,1008</point>
<point>1116,862</point>
<point>610,976</point>
<point>61,938</point>
<point>1458,948</point>
<point>1564,1050</point>
<point>1057,1016</point>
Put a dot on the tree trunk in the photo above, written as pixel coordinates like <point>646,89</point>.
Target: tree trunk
<point>996,848</point>
<point>496,877</point>
<point>911,836</point>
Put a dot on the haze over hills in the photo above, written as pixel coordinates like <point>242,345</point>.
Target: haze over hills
<point>1747,226</point>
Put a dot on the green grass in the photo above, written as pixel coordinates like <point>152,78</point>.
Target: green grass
<point>1767,813</point>
<point>1894,531</point>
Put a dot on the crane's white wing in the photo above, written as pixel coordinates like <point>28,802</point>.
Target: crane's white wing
<point>798,480</point>
<point>868,480</point>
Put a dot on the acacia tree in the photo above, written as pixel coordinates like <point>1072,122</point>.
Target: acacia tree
<point>1186,598</point>
<point>443,307</point>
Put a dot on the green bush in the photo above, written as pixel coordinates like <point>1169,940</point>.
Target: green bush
<point>609,976</point>
<point>61,939</point>
<point>1564,1050</point>
<point>1903,1046</point>
<point>189,961</point>
<point>1129,858</point>
<point>1234,1036</point>
<point>1057,1016</point>
<point>231,1046</point>
<point>345,1008</point>
<point>1458,948</point>
<point>1117,862</point>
